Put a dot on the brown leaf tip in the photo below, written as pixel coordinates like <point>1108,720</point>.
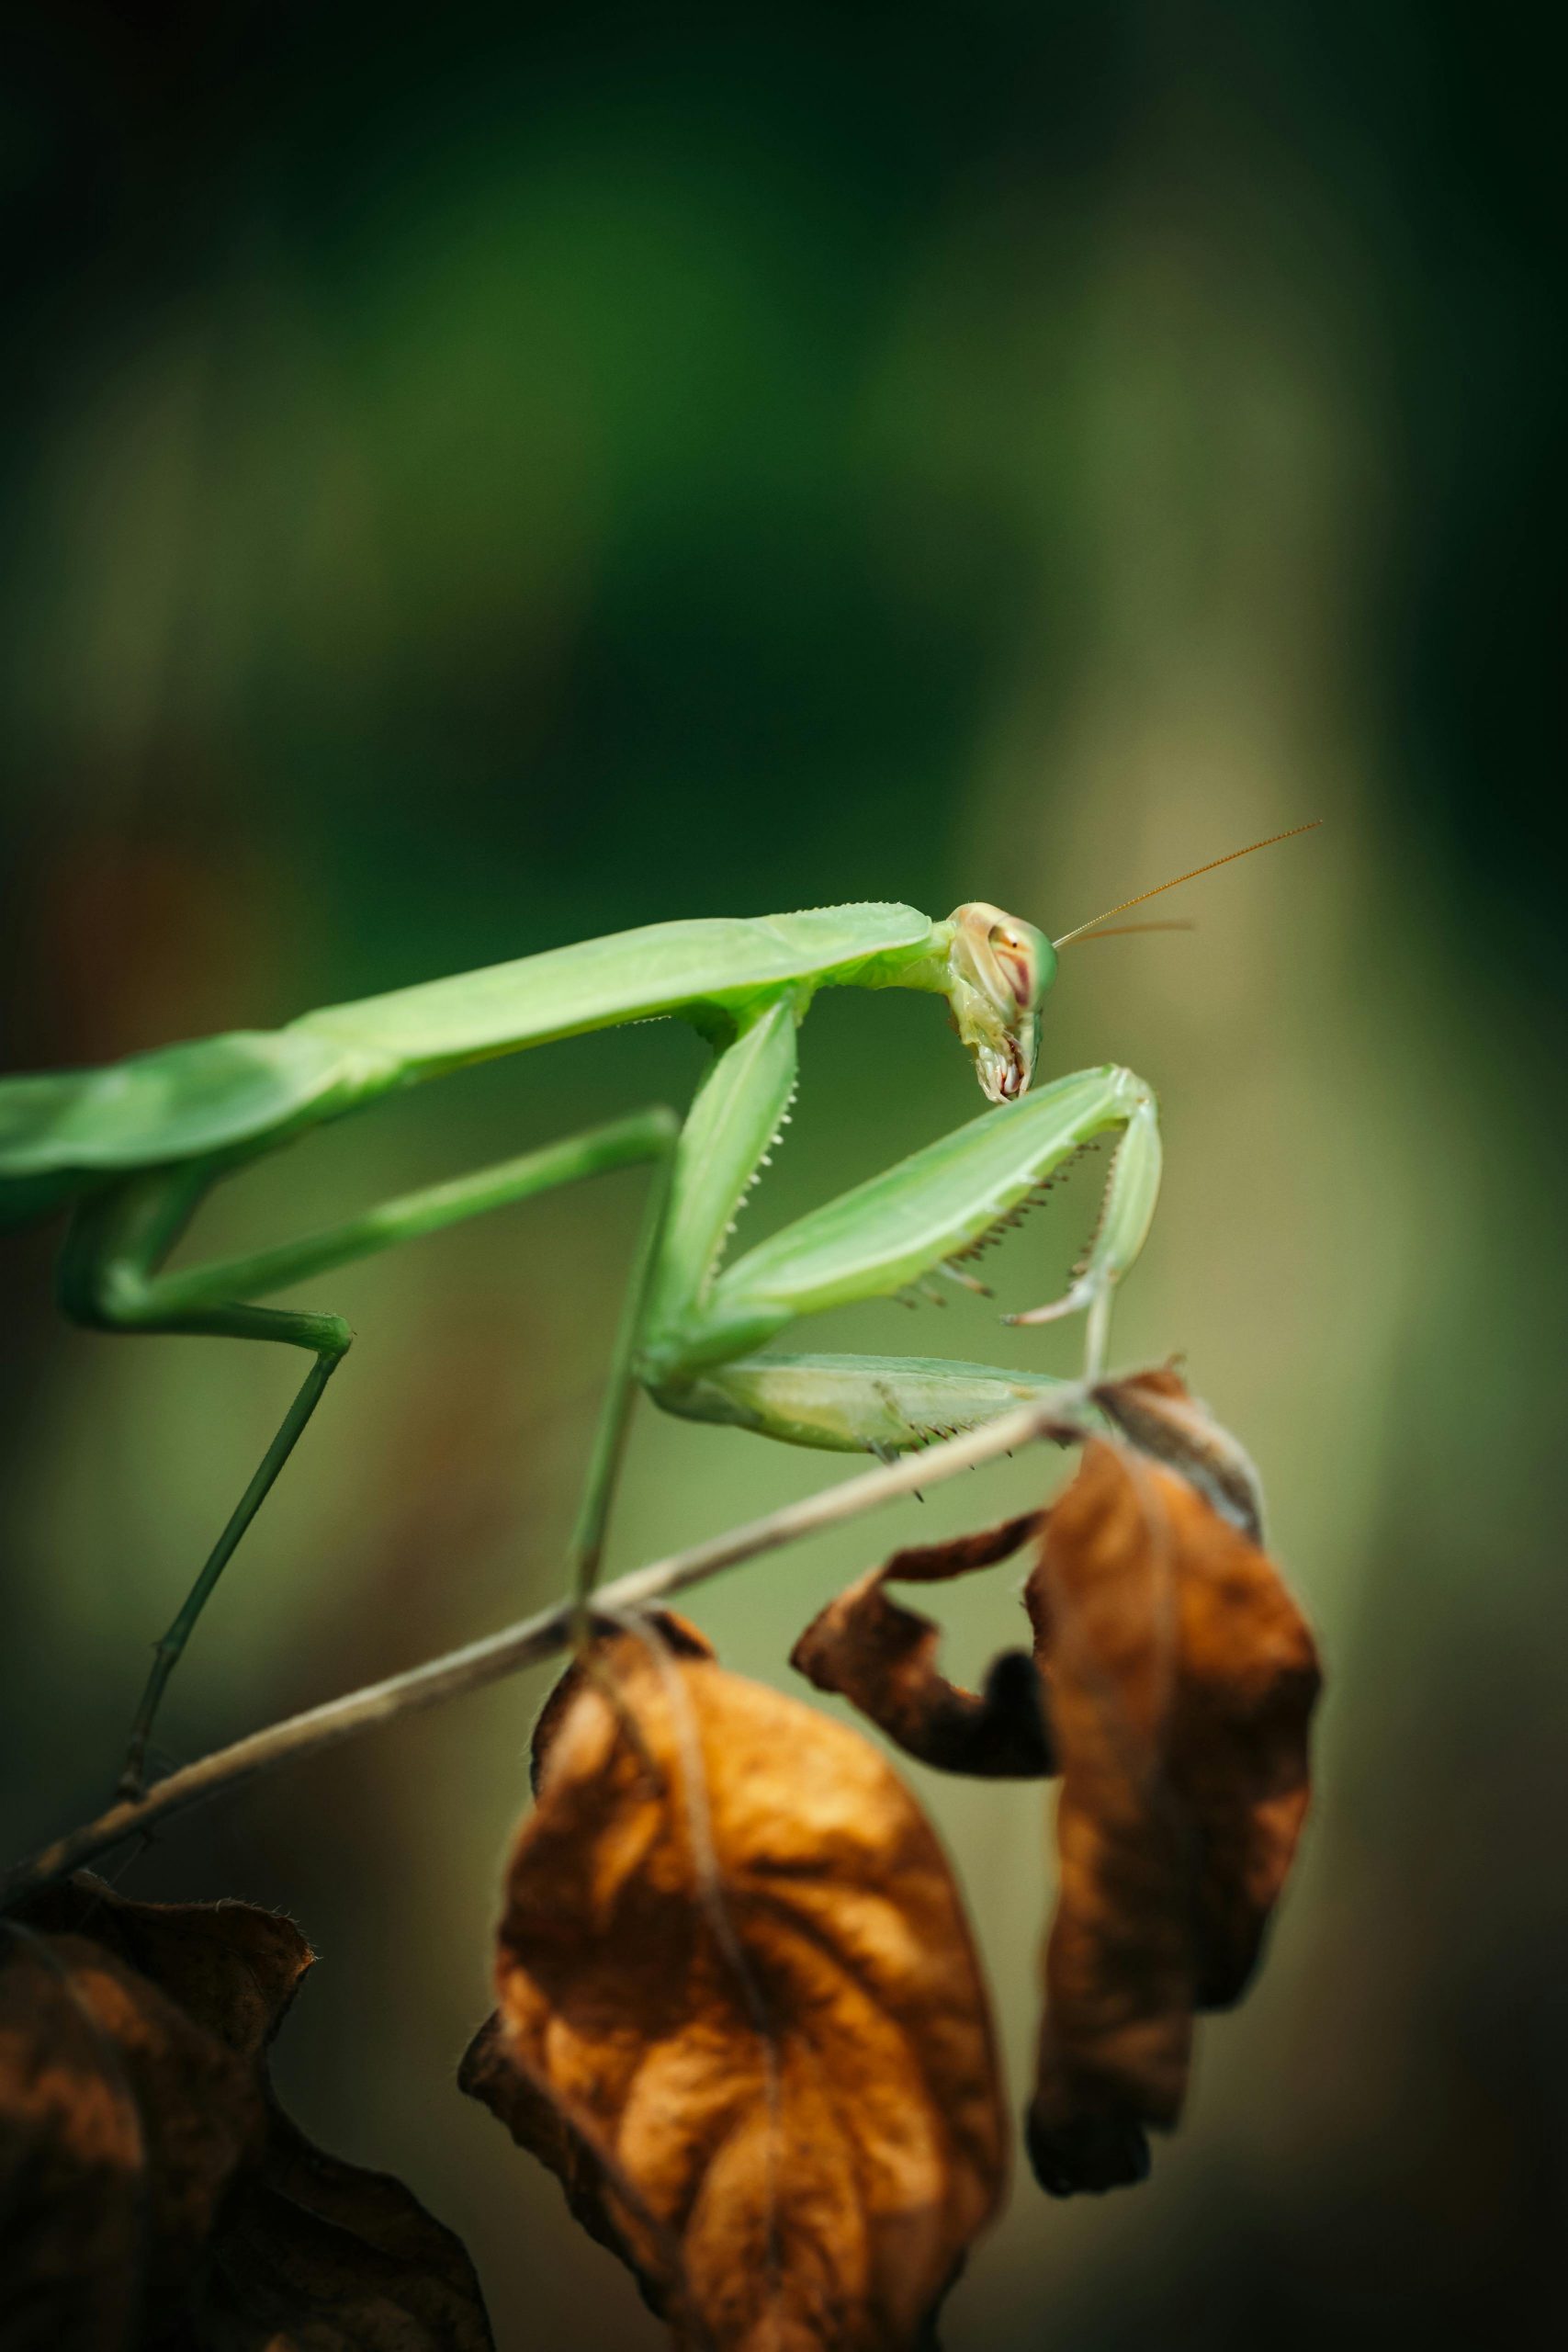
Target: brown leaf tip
<point>1085,2152</point>
<point>1157,1412</point>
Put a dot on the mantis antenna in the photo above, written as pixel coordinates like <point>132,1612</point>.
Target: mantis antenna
<point>1191,875</point>
<point>1121,929</point>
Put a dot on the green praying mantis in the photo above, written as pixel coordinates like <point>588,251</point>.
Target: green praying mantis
<point>131,1150</point>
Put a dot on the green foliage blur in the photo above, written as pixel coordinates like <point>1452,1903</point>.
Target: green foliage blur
<point>474,478</point>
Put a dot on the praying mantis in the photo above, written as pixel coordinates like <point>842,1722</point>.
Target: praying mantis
<point>131,1151</point>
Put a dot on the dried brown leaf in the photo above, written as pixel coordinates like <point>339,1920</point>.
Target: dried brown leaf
<point>124,2126</point>
<point>883,1657</point>
<point>1180,1678</point>
<point>740,2015</point>
<point>150,2190</point>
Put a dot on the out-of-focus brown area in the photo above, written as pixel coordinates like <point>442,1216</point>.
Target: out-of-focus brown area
<point>471,482</point>
<point>154,2191</point>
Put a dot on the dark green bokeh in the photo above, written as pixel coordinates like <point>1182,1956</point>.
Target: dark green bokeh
<point>473,481</point>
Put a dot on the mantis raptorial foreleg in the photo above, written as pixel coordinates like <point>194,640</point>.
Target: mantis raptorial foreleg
<point>942,1203</point>
<point>735,1118</point>
<point>111,1277</point>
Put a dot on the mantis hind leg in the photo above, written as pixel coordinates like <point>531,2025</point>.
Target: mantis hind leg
<point>110,1280</point>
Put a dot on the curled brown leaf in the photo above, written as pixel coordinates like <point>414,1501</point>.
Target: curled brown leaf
<point>1155,1409</point>
<point>883,1657</point>
<point>1181,1678</point>
<point>739,2013</point>
<point>151,2189</point>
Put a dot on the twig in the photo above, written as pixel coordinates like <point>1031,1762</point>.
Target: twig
<point>515,1646</point>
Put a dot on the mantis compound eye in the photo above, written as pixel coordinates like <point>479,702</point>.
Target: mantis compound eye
<point>998,970</point>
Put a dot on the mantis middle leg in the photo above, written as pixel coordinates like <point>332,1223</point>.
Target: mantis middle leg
<point>110,1279</point>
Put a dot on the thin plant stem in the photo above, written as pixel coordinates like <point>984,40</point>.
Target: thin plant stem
<point>540,1637</point>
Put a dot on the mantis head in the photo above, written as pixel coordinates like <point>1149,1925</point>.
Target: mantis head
<point>998,970</point>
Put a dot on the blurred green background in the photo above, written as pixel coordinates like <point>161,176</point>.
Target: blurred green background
<point>474,478</point>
